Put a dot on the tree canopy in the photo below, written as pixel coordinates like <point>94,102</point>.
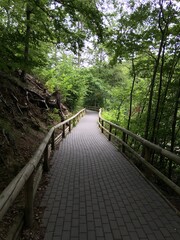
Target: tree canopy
<point>119,55</point>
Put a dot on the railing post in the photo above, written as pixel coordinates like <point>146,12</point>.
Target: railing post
<point>29,189</point>
<point>63,133</point>
<point>147,157</point>
<point>147,154</point>
<point>74,122</point>
<point>70,126</point>
<point>46,162</point>
<point>52,141</point>
<point>110,129</point>
<point>115,132</point>
<point>124,140</point>
<point>102,126</point>
<point>170,169</point>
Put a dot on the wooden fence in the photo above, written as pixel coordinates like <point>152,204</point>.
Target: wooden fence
<point>31,171</point>
<point>147,147</point>
<point>93,108</point>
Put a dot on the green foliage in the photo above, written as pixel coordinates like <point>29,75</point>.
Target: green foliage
<point>96,91</point>
<point>134,73</point>
<point>54,115</point>
<point>147,34</point>
<point>28,26</point>
<point>68,78</point>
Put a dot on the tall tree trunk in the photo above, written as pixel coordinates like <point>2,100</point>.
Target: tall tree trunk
<point>170,76</point>
<point>119,108</point>
<point>131,94</point>
<point>156,65</point>
<point>78,44</point>
<point>154,130</point>
<point>173,133</point>
<point>27,41</point>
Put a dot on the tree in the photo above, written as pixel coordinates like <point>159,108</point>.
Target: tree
<point>29,24</point>
<point>65,76</point>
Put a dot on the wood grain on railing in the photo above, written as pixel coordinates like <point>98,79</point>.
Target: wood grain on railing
<point>145,144</point>
<point>26,176</point>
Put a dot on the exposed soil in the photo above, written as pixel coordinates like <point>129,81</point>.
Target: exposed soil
<point>23,125</point>
<point>20,123</point>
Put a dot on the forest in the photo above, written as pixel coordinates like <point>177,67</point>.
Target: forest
<point>122,56</point>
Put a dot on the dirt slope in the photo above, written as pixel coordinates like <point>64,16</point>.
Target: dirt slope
<point>23,123</point>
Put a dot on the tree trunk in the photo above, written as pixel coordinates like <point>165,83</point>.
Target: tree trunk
<point>27,41</point>
<point>119,108</point>
<point>170,76</point>
<point>154,129</point>
<point>156,65</point>
<point>78,45</point>
<point>58,104</point>
<point>131,94</point>
<point>173,133</point>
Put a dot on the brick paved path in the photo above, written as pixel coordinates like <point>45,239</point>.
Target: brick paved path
<point>95,193</point>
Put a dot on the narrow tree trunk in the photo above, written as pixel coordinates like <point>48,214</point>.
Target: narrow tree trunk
<point>170,76</point>
<point>154,130</point>
<point>78,50</point>
<point>131,94</point>
<point>119,108</point>
<point>156,65</point>
<point>27,40</point>
<point>173,134</point>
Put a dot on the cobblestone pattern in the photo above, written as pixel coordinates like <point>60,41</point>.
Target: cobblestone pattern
<point>96,194</point>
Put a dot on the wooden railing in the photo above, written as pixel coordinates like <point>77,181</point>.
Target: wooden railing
<point>93,108</point>
<point>147,148</point>
<point>26,176</point>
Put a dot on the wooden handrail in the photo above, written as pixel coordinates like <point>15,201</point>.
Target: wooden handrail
<point>145,143</point>
<point>93,108</point>
<point>25,176</point>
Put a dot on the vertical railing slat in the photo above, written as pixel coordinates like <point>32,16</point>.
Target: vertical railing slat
<point>110,130</point>
<point>29,189</point>
<point>46,162</point>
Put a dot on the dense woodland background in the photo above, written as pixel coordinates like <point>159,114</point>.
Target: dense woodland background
<point>122,56</point>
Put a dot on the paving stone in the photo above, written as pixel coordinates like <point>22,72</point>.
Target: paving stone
<point>99,232</point>
<point>90,226</point>
<point>75,222</point>
<point>152,237</point>
<point>83,219</point>
<point>48,235</point>
<point>74,232</point>
<point>67,226</point>
<point>50,227</point>
<point>56,237</point>
<point>116,234</point>
<point>65,235</point>
<point>114,225</point>
<point>83,236</point>
<point>164,232</point>
<point>83,228</point>
<point>109,236</point>
<point>107,228</point>
<point>91,235</point>
<point>98,222</point>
